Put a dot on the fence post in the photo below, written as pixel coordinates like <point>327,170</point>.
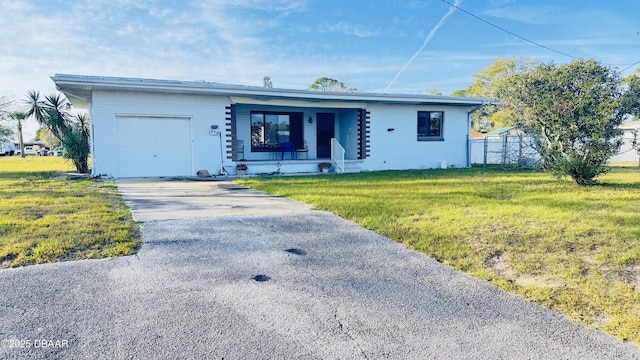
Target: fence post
<point>520,150</point>
<point>504,150</point>
<point>486,148</point>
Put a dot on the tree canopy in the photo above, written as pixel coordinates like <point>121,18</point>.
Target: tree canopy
<point>6,133</point>
<point>50,140</point>
<point>331,85</point>
<point>573,113</point>
<point>487,83</point>
<point>266,81</point>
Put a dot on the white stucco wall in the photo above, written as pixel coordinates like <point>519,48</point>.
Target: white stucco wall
<point>203,111</point>
<point>400,148</point>
<point>389,150</point>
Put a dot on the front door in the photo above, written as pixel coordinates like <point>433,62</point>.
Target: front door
<point>325,126</point>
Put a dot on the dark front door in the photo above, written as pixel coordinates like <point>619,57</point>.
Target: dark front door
<point>325,126</point>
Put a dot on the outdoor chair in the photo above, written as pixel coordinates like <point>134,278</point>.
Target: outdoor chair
<point>305,150</point>
<point>287,147</point>
<point>238,146</point>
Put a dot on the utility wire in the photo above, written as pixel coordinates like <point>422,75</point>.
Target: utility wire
<point>630,66</point>
<point>507,31</point>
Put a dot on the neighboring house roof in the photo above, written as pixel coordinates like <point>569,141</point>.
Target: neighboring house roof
<point>630,125</point>
<point>500,131</point>
<point>81,87</point>
<point>477,135</point>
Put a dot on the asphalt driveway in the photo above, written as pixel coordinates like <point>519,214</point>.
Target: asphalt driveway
<point>222,279</point>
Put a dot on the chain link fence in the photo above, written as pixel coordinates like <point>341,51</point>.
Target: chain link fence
<point>505,151</point>
<point>517,151</point>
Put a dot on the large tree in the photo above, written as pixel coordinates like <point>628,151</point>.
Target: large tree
<point>487,83</point>
<point>72,130</point>
<point>573,113</point>
<point>332,85</point>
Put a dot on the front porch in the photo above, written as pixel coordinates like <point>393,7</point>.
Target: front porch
<point>288,166</point>
<point>294,139</point>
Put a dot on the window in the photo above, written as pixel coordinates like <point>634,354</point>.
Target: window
<point>430,125</point>
<point>270,129</point>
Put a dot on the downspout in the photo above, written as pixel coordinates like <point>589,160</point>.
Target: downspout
<point>484,103</point>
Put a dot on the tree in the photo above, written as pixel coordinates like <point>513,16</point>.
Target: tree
<point>71,130</point>
<point>5,133</point>
<point>487,83</point>
<point>572,112</point>
<point>461,92</point>
<point>331,85</point>
<point>4,104</point>
<point>19,116</point>
<point>266,81</point>
<point>44,134</point>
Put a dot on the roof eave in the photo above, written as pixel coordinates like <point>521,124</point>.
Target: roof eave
<point>82,86</point>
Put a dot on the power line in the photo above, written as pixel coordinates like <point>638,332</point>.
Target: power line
<point>507,31</point>
<point>630,66</point>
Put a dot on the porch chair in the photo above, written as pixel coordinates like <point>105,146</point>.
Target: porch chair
<point>287,147</point>
<point>238,146</point>
<point>305,150</point>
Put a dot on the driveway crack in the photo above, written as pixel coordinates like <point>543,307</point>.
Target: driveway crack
<point>342,327</point>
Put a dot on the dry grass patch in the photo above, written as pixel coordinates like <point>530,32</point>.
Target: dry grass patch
<point>44,220</point>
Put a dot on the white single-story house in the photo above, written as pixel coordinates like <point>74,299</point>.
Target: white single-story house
<point>148,128</point>
<point>628,152</point>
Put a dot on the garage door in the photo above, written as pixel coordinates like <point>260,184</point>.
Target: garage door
<point>153,146</point>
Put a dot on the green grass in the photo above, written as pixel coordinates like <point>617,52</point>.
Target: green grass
<point>573,249</point>
<point>44,220</point>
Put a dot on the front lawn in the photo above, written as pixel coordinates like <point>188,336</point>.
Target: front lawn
<point>573,249</point>
<point>44,220</point>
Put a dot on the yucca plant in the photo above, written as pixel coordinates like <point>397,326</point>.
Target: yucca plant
<point>72,130</point>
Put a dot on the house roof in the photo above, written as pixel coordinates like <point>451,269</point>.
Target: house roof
<point>80,87</point>
<point>630,125</point>
<point>500,131</point>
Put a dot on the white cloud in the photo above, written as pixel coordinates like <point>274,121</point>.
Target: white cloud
<point>348,29</point>
<point>538,15</point>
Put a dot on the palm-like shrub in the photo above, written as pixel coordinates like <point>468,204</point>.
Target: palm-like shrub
<point>72,130</point>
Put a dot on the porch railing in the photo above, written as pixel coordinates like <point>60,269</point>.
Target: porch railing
<point>337,155</point>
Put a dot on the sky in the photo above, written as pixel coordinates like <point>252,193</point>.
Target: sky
<point>396,46</point>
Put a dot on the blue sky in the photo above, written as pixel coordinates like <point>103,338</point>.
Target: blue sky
<point>366,43</point>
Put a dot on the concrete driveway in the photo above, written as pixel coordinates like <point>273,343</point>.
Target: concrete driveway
<point>218,283</point>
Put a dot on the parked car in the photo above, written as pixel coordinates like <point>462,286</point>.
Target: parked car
<point>28,150</point>
<point>43,151</point>
<point>7,149</point>
<point>56,151</point>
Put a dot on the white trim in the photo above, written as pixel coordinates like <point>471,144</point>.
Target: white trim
<point>82,87</point>
<point>296,103</point>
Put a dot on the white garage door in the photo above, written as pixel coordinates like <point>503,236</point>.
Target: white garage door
<point>153,146</point>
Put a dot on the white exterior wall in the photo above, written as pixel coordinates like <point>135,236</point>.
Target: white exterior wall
<point>202,111</point>
<point>389,150</point>
<point>627,152</point>
<point>400,149</point>
<point>347,132</point>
